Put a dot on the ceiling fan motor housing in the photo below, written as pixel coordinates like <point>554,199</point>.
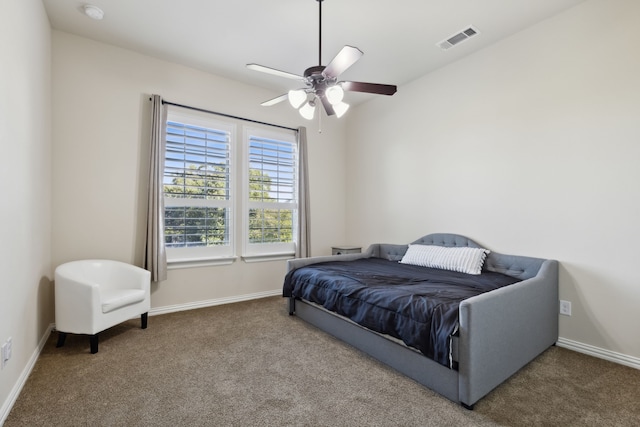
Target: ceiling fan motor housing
<point>315,79</point>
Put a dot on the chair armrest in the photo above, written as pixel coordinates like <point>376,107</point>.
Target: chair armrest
<point>127,276</point>
<point>75,303</point>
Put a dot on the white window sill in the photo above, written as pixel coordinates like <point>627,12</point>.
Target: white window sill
<point>177,264</point>
<point>267,257</point>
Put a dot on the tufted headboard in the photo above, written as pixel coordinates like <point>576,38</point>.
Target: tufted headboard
<point>512,265</point>
<point>446,239</point>
<point>396,252</point>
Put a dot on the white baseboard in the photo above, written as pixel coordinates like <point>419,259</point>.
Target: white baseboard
<point>212,302</point>
<point>612,356</point>
<point>17,388</point>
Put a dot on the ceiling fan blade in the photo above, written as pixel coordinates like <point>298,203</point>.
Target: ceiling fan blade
<point>343,60</point>
<point>376,88</point>
<point>275,100</point>
<point>273,71</point>
<point>327,106</point>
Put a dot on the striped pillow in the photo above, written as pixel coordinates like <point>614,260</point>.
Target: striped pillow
<point>462,259</point>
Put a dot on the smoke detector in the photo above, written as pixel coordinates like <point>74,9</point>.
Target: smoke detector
<point>93,12</point>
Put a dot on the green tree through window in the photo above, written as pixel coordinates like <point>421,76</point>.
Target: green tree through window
<point>205,226</point>
<point>197,225</point>
<point>267,225</point>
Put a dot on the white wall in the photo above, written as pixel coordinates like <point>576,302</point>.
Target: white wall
<point>25,181</point>
<point>529,147</point>
<point>100,139</point>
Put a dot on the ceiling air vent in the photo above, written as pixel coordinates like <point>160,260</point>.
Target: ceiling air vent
<point>458,38</point>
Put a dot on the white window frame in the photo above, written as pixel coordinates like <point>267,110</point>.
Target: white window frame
<point>206,255</point>
<point>238,204</point>
<point>255,252</point>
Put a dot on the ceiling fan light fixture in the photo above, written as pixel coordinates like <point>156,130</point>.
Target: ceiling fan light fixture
<point>322,82</point>
<point>297,97</point>
<point>334,94</point>
<point>308,110</point>
<point>340,108</point>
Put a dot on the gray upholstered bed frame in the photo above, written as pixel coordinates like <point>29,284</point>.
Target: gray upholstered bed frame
<point>499,331</point>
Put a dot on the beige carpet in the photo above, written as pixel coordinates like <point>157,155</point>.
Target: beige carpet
<point>251,364</point>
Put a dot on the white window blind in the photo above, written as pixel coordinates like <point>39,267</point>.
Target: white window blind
<point>271,204</point>
<point>198,188</point>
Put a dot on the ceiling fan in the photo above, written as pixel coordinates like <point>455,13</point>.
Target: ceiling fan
<point>322,83</point>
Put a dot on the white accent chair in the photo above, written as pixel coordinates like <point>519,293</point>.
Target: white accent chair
<point>94,295</point>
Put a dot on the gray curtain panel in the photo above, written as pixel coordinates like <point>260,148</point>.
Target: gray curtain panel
<point>155,257</point>
<point>303,248</point>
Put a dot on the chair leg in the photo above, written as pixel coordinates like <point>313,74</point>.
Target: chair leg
<point>143,319</point>
<point>61,337</point>
<point>93,339</point>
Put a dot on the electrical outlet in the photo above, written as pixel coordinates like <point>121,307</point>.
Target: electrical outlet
<point>6,352</point>
<point>4,355</point>
<point>565,307</point>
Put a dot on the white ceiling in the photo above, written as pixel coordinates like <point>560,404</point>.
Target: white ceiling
<point>398,37</point>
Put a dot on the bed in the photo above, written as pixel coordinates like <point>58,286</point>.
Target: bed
<point>482,338</point>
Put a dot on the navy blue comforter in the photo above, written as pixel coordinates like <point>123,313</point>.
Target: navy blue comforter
<point>417,305</point>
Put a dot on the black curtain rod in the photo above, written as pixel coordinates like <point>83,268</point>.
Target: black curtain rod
<point>228,115</point>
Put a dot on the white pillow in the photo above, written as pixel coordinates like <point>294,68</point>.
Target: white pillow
<point>462,259</point>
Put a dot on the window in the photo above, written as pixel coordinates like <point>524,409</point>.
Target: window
<point>198,187</point>
<point>272,196</point>
<point>205,216</point>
